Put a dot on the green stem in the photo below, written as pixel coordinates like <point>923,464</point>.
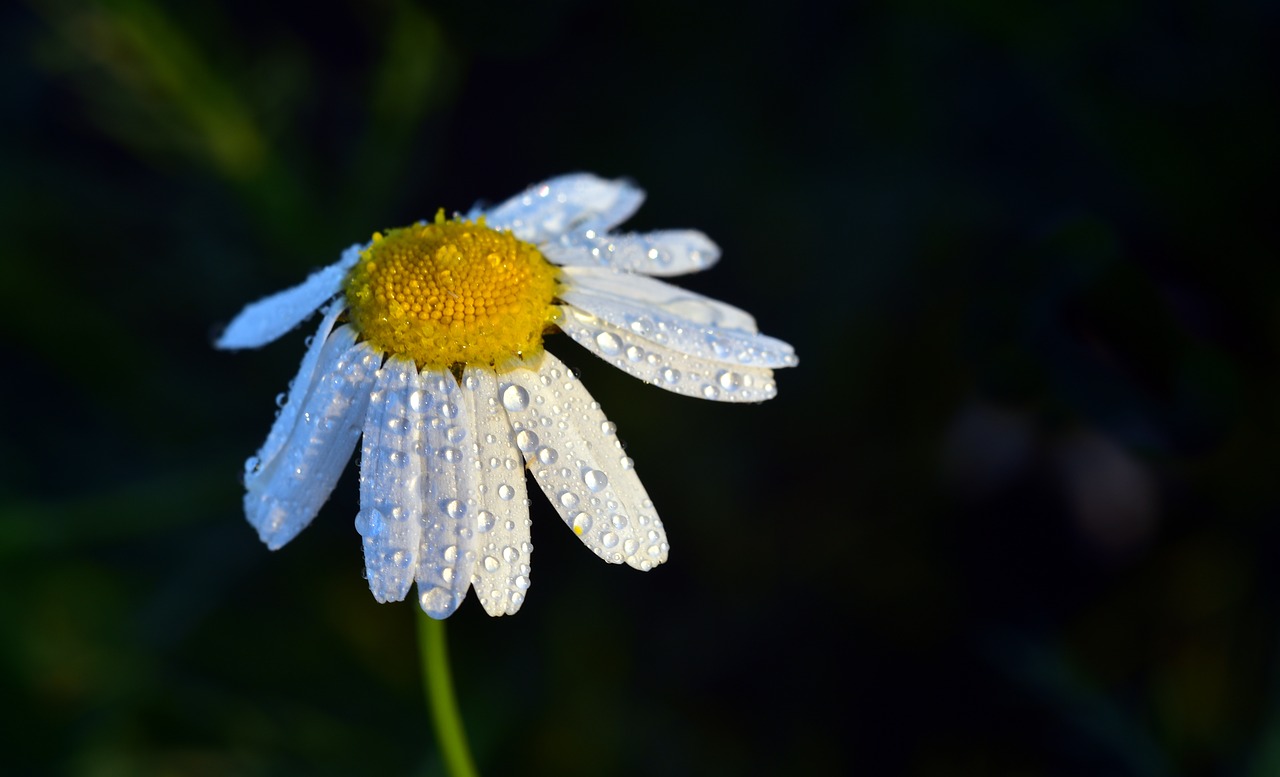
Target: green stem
<point>438,684</point>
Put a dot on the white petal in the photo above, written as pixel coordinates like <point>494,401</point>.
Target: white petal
<point>671,370</point>
<point>501,519</point>
<point>298,390</point>
<point>730,346</point>
<point>287,492</point>
<point>662,295</point>
<point>391,487</point>
<point>575,456</point>
<point>268,318</point>
<point>570,202</point>
<point>446,558</point>
<point>667,252</point>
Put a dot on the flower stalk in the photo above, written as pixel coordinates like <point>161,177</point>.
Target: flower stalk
<point>437,682</point>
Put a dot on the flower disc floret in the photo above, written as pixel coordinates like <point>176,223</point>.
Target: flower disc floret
<point>453,293</point>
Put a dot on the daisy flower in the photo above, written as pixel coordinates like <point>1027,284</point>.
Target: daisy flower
<point>430,348</point>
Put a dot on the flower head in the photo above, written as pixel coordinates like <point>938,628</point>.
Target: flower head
<point>430,348</point>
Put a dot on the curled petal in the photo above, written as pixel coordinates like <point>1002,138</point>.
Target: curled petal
<point>661,295</point>
<point>579,201</point>
<point>500,522</point>
<point>298,390</point>
<point>285,493</point>
<point>446,560</point>
<point>731,346</point>
<point>391,487</point>
<point>667,252</point>
<point>268,318</point>
<point>666,368</point>
<point>575,456</point>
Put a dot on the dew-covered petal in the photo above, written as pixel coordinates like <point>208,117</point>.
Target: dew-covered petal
<point>579,463</point>
<point>661,295</point>
<point>391,487</point>
<point>731,346</point>
<point>665,252</point>
<point>268,318</point>
<point>671,370</point>
<point>501,519</point>
<point>579,201</point>
<point>301,385</point>
<point>446,558</point>
<point>287,491</point>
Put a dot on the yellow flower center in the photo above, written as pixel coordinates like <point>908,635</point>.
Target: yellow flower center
<point>453,293</point>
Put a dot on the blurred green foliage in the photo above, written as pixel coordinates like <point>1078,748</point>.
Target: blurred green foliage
<point>1015,513</point>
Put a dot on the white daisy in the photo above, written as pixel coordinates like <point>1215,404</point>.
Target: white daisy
<point>431,348</point>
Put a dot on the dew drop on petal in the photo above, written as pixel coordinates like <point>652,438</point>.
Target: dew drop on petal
<point>569,500</point>
<point>608,343</point>
<point>547,455</point>
<point>595,480</point>
<point>491,564</point>
<point>526,441</point>
<point>581,523</point>
<point>510,554</point>
<point>455,508</point>
<point>515,398</point>
<point>437,602</point>
<point>506,493</point>
<point>484,521</point>
<point>609,539</point>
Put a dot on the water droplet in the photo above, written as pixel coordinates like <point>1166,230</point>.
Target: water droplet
<point>608,343</point>
<point>710,392</point>
<point>455,508</point>
<point>670,375</point>
<point>522,582</point>
<point>510,554</point>
<point>619,521</point>
<point>569,500</point>
<point>729,381</point>
<point>630,547</point>
<point>609,539</point>
<point>451,455</point>
<point>547,455</point>
<point>485,521</point>
<point>526,441</point>
<point>280,398</point>
<point>506,493</point>
<point>517,598</point>
<point>595,480</point>
<point>448,410</point>
<point>451,554</point>
<point>515,398</point>
<point>635,353</point>
<point>437,602</point>
<point>415,401</point>
<point>491,564</point>
<point>369,522</point>
<point>581,523</point>
<point>455,434</point>
<point>608,428</point>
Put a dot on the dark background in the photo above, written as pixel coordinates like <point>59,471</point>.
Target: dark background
<point>1014,514</point>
